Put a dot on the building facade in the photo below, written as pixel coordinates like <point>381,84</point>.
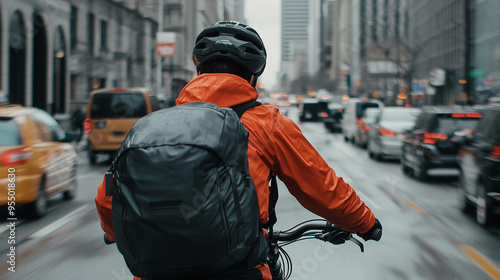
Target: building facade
<point>439,44</point>
<point>485,68</point>
<point>187,18</point>
<point>55,52</point>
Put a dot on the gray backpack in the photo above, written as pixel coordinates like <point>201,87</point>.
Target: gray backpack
<point>184,203</point>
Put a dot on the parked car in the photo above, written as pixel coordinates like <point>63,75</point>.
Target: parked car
<point>353,112</point>
<point>428,145</point>
<point>364,125</point>
<point>388,131</point>
<point>332,118</point>
<point>310,109</point>
<point>111,113</point>
<point>479,160</point>
<point>36,158</point>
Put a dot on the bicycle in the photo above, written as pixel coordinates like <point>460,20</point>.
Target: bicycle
<point>310,229</point>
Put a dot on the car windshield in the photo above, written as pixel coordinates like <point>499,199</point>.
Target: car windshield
<point>371,114</point>
<point>449,125</point>
<point>9,133</point>
<point>335,106</point>
<point>400,115</point>
<point>361,107</point>
<point>118,105</point>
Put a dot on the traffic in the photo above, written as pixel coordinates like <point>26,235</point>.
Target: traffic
<point>226,140</point>
<point>424,217</point>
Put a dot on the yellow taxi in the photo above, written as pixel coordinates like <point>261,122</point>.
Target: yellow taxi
<point>111,113</point>
<point>36,159</point>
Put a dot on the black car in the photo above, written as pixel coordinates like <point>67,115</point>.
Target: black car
<point>310,110</point>
<point>479,160</point>
<point>429,144</point>
<point>332,118</point>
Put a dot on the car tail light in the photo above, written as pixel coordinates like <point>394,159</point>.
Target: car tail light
<point>467,115</point>
<point>496,152</point>
<point>359,122</point>
<point>432,138</point>
<point>474,115</point>
<point>366,128</point>
<point>386,132</point>
<point>323,114</point>
<point>87,125</point>
<point>17,156</point>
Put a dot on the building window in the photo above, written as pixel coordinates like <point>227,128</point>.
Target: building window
<point>104,34</point>
<point>386,19</point>
<point>90,33</point>
<point>374,20</point>
<point>73,27</point>
<point>407,24</point>
<point>397,20</point>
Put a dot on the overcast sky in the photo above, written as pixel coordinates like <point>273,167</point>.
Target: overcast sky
<point>265,17</point>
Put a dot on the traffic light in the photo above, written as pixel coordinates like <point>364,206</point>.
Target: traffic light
<point>348,80</point>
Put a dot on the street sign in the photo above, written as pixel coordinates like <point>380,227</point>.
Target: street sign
<point>165,44</point>
<point>477,73</point>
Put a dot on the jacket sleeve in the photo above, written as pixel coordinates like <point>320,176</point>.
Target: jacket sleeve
<point>103,204</point>
<point>313,182</point>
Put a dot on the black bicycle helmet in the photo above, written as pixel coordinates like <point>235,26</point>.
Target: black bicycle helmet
<point>231,41</point>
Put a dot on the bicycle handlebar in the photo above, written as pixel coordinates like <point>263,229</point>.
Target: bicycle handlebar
<point>107,241</point>
<point>324,230</point>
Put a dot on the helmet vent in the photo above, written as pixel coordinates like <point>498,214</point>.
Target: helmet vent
<point>252,51</point>
<point>246,39</point>
<point>212,34</point>
<point>200,46</point>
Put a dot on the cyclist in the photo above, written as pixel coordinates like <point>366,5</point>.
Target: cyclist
<point>229,57</point>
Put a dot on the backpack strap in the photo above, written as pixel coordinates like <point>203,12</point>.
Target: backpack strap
<point>273,187</point>
<point>273,199</point>
<point>241,108</point>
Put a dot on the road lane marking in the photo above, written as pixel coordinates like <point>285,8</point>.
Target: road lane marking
<point>58,223</point>
<point>415,207</point>
<point>481,261</point>
<point>5,225</point>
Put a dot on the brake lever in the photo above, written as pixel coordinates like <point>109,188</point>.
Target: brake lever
<point>339,237</point>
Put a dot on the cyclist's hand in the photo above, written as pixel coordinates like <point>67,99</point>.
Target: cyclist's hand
<point>375,233</point>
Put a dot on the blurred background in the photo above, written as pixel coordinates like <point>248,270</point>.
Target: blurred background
<point>400,97</point>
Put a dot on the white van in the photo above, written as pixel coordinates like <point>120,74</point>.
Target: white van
<point>353,114</point>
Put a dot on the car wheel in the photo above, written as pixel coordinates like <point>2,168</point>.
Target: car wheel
<point>346,139</point>
<point>463,203</point>
<point>73,189</point>
<point>484,215</point>
<point>39,207</point>
<point>406,169</point>
<point>420,173</point>
<point>371,154</point>
<point>92,156</point>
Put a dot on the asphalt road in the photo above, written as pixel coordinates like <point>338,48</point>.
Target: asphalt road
<point>425,235</point>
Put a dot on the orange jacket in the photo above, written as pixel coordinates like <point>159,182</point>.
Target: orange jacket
<point>275,143</point>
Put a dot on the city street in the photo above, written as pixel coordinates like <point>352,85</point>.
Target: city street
<point>425,235</point>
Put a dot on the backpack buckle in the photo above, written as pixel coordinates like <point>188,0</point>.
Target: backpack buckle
<point>109,178</point>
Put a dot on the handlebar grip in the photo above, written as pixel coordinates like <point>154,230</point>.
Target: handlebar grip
<point>107,241</point>
<point>377,234</point>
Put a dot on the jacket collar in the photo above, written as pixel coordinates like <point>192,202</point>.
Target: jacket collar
<point>224,90</point>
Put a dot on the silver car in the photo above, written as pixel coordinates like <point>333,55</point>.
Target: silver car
<point>388,131</point>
